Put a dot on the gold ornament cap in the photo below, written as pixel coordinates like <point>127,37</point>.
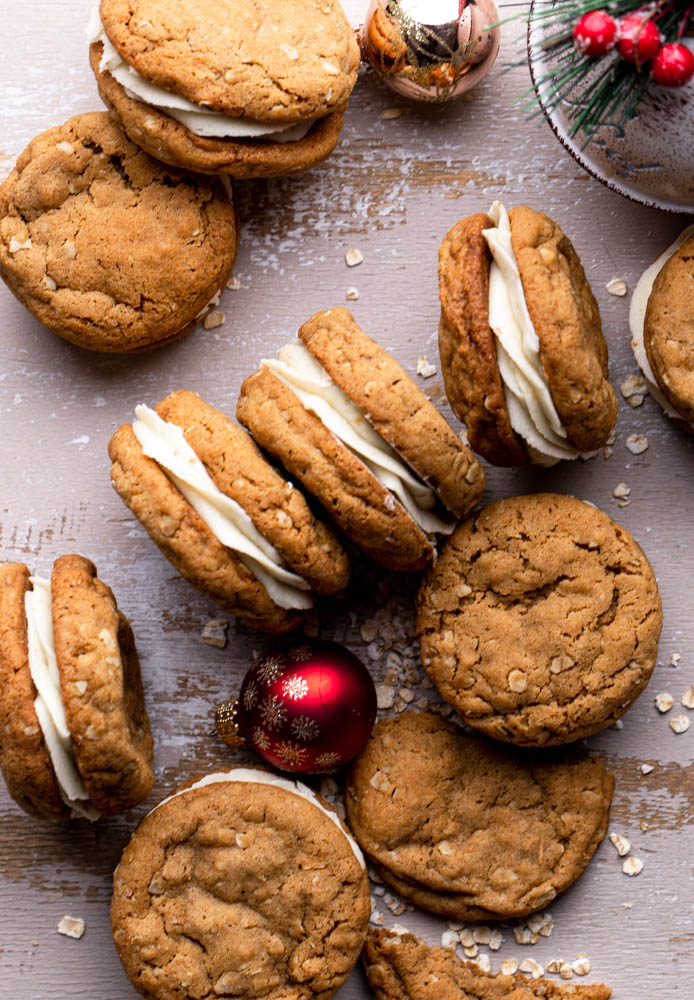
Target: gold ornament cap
<point>226,723</point>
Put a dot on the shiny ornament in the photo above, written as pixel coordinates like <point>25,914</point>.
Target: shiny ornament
<point>673,66</point>
<point>595,33</point>
<point>431,50</point>
<point>306,708</point>
<point>638,39</point>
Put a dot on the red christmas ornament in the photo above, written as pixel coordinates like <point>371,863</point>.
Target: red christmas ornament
<point>306,708</point>
<point>595,34</point>
<point>673,66</point>
<point>639,39</point>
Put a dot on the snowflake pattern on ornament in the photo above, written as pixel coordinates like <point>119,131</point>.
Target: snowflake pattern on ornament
<point>299,654</point>
<point>295,687</point>
<point>328,759</point>
<point>260,739</point>
<point>273,712</point>
<point>250,696</point>
<point>305,729</point>
<point>290,754</point>
<point>269,670</point>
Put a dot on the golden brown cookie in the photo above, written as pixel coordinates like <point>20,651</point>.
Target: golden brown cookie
<point>240,888</point>
<point>566,319</point>
<point>540,621</point>
<point>403,967</point>
<point>73,188</point>
<point>98,683</point>
<point>505,832</point>
<point>248,61</point>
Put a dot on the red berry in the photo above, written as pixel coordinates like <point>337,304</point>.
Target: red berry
<point>595,34</point>
<point>673,66</point>
<point>639,39</point>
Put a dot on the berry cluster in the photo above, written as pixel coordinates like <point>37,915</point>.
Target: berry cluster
<point>637,40</point>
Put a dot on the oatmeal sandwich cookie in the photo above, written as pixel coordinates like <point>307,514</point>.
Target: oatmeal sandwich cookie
<point>240,884</point>
<point>661,317</point>
<point>229,523</point>
<point>403,967</point>
<point>74,734</point>
<point>522,351</point>
<point>250,88</point>
<point>506,832</point>
<point>344,417</point>
<point>540,621</point>
<point>107,247</point>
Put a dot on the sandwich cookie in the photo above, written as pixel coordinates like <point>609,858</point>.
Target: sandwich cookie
<point>240,884</point>
<point>74,733</point>
<point>540,621</point>
<point>403,967</point>
<point>522,351</point>
<point>346,420</point>
<point>250,88</point>
<point>505,832</point>
<point>107,247</point>
<point>229,523</point>
<point>661,317</point>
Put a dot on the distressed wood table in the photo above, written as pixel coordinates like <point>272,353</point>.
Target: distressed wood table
<point>392,189</point>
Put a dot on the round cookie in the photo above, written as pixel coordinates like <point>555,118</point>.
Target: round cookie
<point>100,690</point>
<point>505,833</point>
<point>540,621</point>
<point>247,887</point>
<point>566,321</point>
<point>73,188</point>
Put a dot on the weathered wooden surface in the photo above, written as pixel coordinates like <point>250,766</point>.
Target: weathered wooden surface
<point>392,189</point>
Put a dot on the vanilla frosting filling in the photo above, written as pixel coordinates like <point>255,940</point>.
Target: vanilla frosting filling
<point>48,704</point>
<point>531,409</point>
<point>309,381</point>
<point>637,321</point>
<point>196,118</point>
<point>226,519</point>
<point>258,777</point>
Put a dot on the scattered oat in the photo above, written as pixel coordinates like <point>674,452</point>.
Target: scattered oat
<point>385,695</point>
<point>471,951</point>
<point>634,390</point>
<point>632,866</point>
<point>389,113</point>
<point>664,701</point>
<point>680,724</point>
<point>424,368</point>
<point>688,698</point>
<point>621,844</point>
<point>509,967</point>
<point>215,632</point>
<point>496,939</point>
<point>646,768</point>
<point>582,965</point>
<point>531,966</point>
<point>675,659</point>
<point>352,294</point>
<point>399,930</point>
<point>484,962</point>
<point>637,444</point>
<point>467,938</point>
<point>616,287</point>
<point>369,630</point>
<point>407,695</point>
<point>353,257</point>
<point>71,927</point>
<point>449,939</point>
<point>233,284</point>
<point>523,935</point>
<point>621,491</point>
<point>213,319</point>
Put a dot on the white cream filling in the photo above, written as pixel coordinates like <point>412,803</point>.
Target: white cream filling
<point>48,704</point>
<point>637,320</point>
<point>309,381</point>
<point>226,519</point>
<point>258,777</point>
<point>197,119</point>
<point>530,406</point>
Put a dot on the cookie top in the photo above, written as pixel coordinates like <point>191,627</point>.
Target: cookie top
<point>403,967</point>
<point>540,621</point>
<point>278,510</point>
<point>505,833</point>
<point>669,329</point>
<point>240,888</point>
<point>250,59</point>
<point>395,407</point>
<point>72,188</point>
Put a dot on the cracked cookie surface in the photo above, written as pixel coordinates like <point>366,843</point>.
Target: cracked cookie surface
<point>504,832</point>
<point>540,621</point>
<point>107,247</point>
<point>403,967</point>
<point>242,889</point>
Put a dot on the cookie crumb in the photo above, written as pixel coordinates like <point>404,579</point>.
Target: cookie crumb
<point>621,844</point>
<point>632,866</point>
<point>675,659</point>
<point>352,294</point>
<point>616,286</point>
<point>72,927</point>
<point>388,114</point>
<point>353,257</point>
<point>634,390</point>
<point>213,320</point>
<point>215,632</point>
<point>233,284</point>
<point>424,368</point>
<point>621,491</point>
<point>664,701</point>
<point>637,444</point>
<point>688,698</point>
<point>680,724</point>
